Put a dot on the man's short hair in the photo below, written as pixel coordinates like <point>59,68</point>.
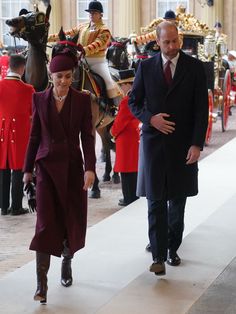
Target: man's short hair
<point>163,25</point>
<point>16,61</point>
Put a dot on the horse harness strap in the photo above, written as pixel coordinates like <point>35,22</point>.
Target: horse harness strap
<point>92,82</point>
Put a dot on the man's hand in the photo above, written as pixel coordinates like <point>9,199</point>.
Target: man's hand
<point>165,126</point>
<point>193,155</point>
<point>89,177</point>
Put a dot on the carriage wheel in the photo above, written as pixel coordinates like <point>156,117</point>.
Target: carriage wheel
<point>210,118</point>
<point>226,100</point>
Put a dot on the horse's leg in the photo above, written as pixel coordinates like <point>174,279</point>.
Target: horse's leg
<point>95,191</point>
<point>103,155</point>
<point>106,177</point>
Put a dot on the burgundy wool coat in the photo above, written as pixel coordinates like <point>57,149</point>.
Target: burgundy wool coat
<point>126,133</point>
<point>15,119</point>
<point>61,200</point>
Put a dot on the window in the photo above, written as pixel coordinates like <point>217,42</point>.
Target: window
<point>10,9</point>
<point>165,5</point>
<point>82,15</point>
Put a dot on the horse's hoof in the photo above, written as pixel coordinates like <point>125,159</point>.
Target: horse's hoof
<point>106,178</point>
<point>95,194</point>
<point>116,179</point>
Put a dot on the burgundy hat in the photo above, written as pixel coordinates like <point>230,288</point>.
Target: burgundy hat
<point>63,61</point>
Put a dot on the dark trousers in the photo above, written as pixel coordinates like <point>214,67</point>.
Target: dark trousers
<point>128,185</point>
<point>11,178</point>
<point>166,226</point>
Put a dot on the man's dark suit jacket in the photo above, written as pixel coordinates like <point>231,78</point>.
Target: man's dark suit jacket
<point>186,101</point>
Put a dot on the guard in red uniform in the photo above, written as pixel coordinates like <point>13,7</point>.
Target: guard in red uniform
<point>126,134</point>
<point>15,115</point>
<point>4,64</point>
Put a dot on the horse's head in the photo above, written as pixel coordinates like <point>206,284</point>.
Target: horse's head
<point>31,26</point>
<point>68,44</point>
<point>117,54</point>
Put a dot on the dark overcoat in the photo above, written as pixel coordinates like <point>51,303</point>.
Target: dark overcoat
<point>186,101</point>
<point>61,200</point>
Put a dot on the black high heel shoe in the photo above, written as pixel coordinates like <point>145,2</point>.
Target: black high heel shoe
<point>66,272</point>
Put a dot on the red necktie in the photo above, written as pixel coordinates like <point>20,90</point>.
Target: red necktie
<point>167,73</point>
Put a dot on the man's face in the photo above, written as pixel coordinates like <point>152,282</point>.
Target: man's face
<point>169,42</point>
<point>95,16</point>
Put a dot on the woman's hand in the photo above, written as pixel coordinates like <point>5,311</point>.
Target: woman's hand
<point>89,177</point>
<point>28,177</point>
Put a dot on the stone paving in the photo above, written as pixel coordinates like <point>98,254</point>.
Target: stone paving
<point>16,231</point>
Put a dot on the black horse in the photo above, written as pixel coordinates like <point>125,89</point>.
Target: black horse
<point>117,56</point>
<point>33,27</point>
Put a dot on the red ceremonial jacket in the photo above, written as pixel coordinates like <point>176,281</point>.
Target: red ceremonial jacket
<point>4,65</point>
<point>15,115</point>
<point>126,133</point>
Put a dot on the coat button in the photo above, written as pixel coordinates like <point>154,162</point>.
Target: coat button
<point>13,130</point>
<point>13,119</point>
<point>3,119</point>
<point>12,141</point>
<point>1,139</point>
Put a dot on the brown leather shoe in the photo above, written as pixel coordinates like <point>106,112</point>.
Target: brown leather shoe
<point>158,268</point>
<point>173,259</point>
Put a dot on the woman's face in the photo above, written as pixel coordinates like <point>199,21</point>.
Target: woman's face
<point>62,81</point>
<point>95,16</point>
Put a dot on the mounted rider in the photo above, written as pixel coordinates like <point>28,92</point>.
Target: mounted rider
<point>95,37</point>
<point>169,16</point>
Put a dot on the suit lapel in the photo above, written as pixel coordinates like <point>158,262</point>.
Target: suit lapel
<point>179,72</point>
<point>158,72</point>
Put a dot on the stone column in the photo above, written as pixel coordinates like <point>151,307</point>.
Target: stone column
<point>55,16</point>
<point>129,17</point>
<point>213,14</point>
<point>69,11</point>
<point>230,23</point>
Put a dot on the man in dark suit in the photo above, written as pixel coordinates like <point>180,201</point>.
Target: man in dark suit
<point>169,96</point>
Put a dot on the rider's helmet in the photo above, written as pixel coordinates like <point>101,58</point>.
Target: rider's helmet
<point>95,6</point>
<point>169,15</point>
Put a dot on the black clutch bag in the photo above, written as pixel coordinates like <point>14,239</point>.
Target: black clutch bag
<point>30,192</point>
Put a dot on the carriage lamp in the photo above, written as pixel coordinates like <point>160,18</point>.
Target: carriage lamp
<point>209,46</point>
<point>221,47</point>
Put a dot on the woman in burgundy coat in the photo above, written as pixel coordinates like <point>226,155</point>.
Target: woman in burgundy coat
<point>61,121</point>
<point>126,133</point>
